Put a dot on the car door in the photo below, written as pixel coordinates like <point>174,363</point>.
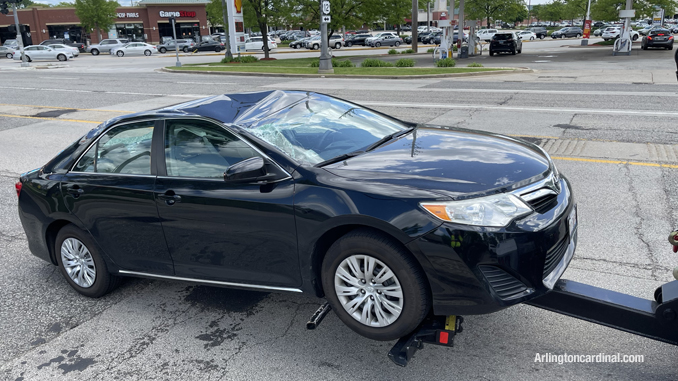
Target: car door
<point>110,191</point>
<point>231,232</point>
<point>45,53</point>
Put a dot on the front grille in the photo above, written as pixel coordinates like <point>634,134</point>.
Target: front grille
<point>554,256</point>
<point>544,204</point>
<point>503,283</point>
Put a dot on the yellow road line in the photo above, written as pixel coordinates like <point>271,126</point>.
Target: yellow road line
<point>64,108</point>
<point>45,118</point>
<point>639,163</point>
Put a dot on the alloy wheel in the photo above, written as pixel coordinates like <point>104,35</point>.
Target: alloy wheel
<point>368,290</point>
<point>78,262</point>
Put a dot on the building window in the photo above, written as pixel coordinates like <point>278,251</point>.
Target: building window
<point>132,32</point>
<point>183,29</point>
<point>69,32</point>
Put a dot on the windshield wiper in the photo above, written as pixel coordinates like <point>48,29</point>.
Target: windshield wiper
<point>339,158</point>
<point>388,138</point>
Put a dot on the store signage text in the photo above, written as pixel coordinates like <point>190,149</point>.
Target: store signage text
<point>177,14</point>
<point>128,15</point>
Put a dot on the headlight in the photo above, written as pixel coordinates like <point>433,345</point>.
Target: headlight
<point>496,211</point>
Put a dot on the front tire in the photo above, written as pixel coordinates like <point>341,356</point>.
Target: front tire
<point>61,57</point>
<point>375,286</point>
<point>81,264</point>
<point>185,49</point>
<point>315,47</point>
<point>349,44</point>
<point>9,55</point>
<point>119,53</point>
<point>377,44</point>
<point>337,46</point>
<point>162,50</point>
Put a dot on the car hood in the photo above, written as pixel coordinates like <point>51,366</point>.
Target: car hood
<point>451,162</point>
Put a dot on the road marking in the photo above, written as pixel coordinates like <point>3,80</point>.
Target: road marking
<point>68,78</point>
<point>106,92</point>
<point>207,83</point>
<point>512,108</point>
<point>46,118</point>
<point>64,108</point>
<point>639,163</point>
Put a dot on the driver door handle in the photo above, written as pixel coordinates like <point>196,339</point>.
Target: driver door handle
<point>170,197</point>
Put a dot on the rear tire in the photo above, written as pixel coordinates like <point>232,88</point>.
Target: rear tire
<point>397,44</point>
<point>363,246</point>
<point>185,49</point>
<point>147,53</point>
<point>103,282</point>
<point>337,46</point>
<point>315,47</point>
<point>9,55</point>
<point>162,50</point>
<point>349,44</point>
<point>491,53</point>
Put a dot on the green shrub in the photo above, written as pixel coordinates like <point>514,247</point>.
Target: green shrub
<point>408,51</point>
<point>431,50</point>
<point>241,59</point>
<point>446,62</point>
<point>474,64</point>
<point>373,62</point>
<point>392,51</point>
<point>405,62</point>
<point>335,63</point>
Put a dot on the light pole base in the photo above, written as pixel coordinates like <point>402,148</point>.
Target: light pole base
<point>25,64</point>
<point>325,71</point>
<point>178,64</point>
<point>585,42</point>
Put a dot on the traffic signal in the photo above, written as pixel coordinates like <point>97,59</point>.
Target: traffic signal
<point>3,8</point>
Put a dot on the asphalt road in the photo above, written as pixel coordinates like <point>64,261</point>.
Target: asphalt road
<point>616,143</point>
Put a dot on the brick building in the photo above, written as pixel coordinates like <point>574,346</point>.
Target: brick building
<point>147,21</point>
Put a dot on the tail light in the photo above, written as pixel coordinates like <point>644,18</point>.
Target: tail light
<point>18,186</point>
<point>670,38</point>
<point>660,34</point>
<point>649,37</point>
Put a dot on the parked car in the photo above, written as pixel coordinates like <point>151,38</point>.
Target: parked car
<point>421,36</point>
<point>106,45</point>
<point>7,52</point>
<point>322,197</point>
<point>72,49</point>
<point>209,46</point>
<point>63,41</point>
<point>379,35</point>
<point>385,40</point>
<point>14,44</point>
<point>658,38</point>
<point>505,42</point>
<point>135,49</point>
<point>599,32</point>
<point>44,53</point>
<point>486,34</point>
<point>257,43</point>
<point>429,39</point>
<point>358,39</point>
<point>527,35</point>
<point>300,43</point>
<point>185,45</point>
<point>573,31</point>
<point>336,41</point>
<point>614,32</point>
<point>455,37</point>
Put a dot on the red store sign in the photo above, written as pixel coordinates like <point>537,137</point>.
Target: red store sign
<point>177,14</point>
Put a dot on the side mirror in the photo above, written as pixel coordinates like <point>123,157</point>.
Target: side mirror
<point>246,171</point>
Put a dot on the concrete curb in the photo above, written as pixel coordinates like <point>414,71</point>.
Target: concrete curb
<point>419,76</point>
<point>301,50</point>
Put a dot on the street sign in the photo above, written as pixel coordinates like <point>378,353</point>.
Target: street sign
<point>325,19</point>
<point>326,7</point>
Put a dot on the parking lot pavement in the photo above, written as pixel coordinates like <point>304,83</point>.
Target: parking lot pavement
<point>156,330</point>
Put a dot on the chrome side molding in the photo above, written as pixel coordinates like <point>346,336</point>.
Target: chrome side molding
<point>214,282</point>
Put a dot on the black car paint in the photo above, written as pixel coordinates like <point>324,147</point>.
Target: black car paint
<point>658,38</point>
<point>572,31</point>
<point>282,229</point>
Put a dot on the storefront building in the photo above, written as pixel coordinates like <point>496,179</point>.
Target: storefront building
<point>147,22</point>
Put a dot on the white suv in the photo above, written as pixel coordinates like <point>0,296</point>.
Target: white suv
<point>486,34</point>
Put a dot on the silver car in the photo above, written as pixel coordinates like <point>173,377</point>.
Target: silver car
<point>66,48</point>
<point>135,48</point>
<point>7,52</point>
<point>185,45</point>
<point>42,52</point>
<point>386,39</point>
<point>106,45</point>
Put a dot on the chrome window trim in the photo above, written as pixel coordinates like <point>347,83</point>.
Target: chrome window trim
<point>104,133</point>
<point>215,282</point>
<point>111,174</point>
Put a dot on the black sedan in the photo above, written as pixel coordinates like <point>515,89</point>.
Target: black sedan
<point>657,38</point>
<point>357,39</point>
<point>505,43</point>
<point>209,46</point>
<point>302,192</point>
<point>573,31</point>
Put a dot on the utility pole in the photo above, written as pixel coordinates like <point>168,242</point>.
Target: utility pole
<point>228,54</point>
<point>19,37</point>
<point>460,36</point>
<point>428,17</point>
<point>325,66</point>
<point>176,45</point>
<point>415,24</point>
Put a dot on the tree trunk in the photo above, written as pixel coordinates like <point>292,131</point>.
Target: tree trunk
<point>488,22</point>
<point>96,26</point>
<point>264,36</point>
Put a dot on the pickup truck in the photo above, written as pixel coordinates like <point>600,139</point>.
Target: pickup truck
<point>65,41</point>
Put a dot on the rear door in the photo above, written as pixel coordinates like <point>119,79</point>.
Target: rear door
<point>238,233</point>
<point>110,190</point>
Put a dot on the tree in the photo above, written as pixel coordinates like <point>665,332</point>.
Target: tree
<point>537,11</point>
<point>608,10</point>
<point>215,14</point>
<point>96,14</point>
<point>394,12</point>
<point>493,9</point>
<point>62,4</point>
<point>351,14</point>
<point>267,12</point>
<point>554,11</point>
<point>575,9</point>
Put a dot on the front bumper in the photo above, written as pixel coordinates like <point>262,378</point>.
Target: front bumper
<point>479,270</point>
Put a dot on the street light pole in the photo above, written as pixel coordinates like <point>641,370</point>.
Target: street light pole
<point>325,64</point>
<point>228,53</point>
<point>19,38</point>
<point>176,44</point>
<point>415,24</point>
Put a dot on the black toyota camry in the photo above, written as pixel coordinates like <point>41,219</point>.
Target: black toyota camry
<point>302,192</point>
